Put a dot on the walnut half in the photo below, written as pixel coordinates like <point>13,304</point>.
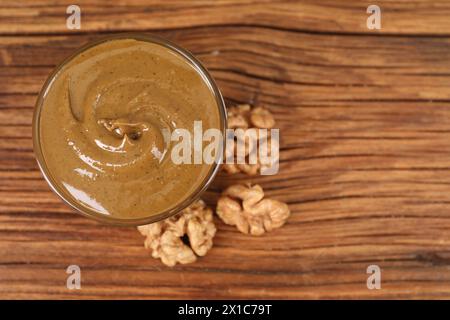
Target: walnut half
<point>244,116</point>
<point>244,207</point>
<point>165,238</point>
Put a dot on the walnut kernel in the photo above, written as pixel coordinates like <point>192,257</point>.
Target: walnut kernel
<point>164,238</point>
<point>244,207</point>
<point>244,117</point>
<point>262,118</point>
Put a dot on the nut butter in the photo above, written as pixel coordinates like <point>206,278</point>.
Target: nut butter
<point>101,123</point>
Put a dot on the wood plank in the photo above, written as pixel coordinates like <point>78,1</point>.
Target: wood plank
<point>364,118</point>
<point>313,16</point>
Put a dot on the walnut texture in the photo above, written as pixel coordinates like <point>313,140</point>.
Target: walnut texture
<point>165,238</point>
<point>244,206</point>
<point>245,117</point>
<point>262,118</point>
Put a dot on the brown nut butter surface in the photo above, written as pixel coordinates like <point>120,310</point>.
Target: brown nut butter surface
<point>103,121</point>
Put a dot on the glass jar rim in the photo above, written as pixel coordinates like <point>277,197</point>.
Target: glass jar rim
<point>65,196</point>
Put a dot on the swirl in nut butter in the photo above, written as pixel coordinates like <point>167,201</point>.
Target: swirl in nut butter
<point>105,121</point>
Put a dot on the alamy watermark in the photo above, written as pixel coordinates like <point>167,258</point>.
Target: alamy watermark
<point>374,280</point>
<point>374,20</point>
<point>73,21</point>
<point>74,278</point>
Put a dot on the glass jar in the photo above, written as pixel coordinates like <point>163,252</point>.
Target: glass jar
<point>89,212</point>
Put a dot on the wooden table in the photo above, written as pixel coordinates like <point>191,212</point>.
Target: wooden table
<point>364,117</point>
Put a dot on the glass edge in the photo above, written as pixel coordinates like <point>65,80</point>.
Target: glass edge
<point>91,213</point>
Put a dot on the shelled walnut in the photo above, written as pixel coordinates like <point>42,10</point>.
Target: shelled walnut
<point>238,116</point>
<point>261,118</point>
<point>244,207</point>
<point>165,238</point>
<point>245,117</point>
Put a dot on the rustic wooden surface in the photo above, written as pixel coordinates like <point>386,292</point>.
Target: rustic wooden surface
<point>365,161</point>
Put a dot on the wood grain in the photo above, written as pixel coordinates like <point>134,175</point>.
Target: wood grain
<point>364,118</point>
